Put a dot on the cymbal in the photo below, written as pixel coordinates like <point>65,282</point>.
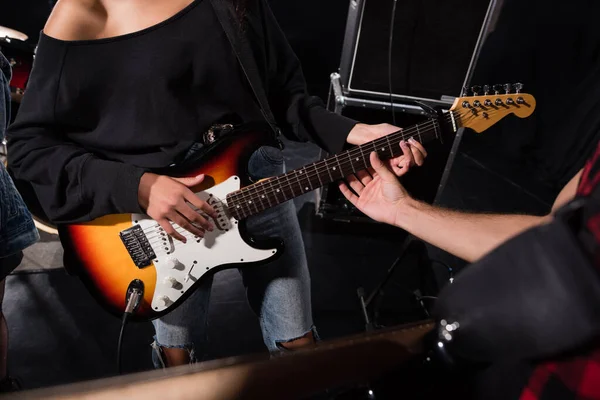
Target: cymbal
<point>12,34</point>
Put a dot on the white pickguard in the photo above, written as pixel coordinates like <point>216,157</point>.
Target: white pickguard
<point>179,265</point>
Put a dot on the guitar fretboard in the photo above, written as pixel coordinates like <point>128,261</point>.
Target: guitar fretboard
<point>268,193</point>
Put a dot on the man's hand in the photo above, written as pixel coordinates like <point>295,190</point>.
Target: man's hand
<point>363,133</point>
<point>379,196</point>
<point>169,200</point>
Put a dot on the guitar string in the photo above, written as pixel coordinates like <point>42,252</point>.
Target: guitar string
<point>342,161</point>
<point>284,187</point>
<point>250,191</point>
<point>323,164</point>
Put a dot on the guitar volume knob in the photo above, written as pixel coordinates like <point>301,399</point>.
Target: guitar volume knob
<point>172,262</point>
<point>172,282</point>
<point>165,300</point>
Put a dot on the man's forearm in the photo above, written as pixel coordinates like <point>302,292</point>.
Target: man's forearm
<point>466,235</point>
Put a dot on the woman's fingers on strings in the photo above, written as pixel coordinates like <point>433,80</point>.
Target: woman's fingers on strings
<point>418,146</point>
<point>170,230</point>
<point>399,171</point>
<point>409,159</point>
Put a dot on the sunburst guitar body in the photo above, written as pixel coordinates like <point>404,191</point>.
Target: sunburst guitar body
<point>115,254</point>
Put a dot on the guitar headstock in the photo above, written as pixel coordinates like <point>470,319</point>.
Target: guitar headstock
<point>485,107</point>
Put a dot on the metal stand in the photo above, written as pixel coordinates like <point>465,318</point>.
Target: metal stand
<point>344,93</point>
<point>341,100</point>
<point>369,304</point>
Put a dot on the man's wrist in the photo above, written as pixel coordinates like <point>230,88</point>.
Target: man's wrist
<point>405,212</point>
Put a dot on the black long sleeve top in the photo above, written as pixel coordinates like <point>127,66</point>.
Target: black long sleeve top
<point>97,114</point>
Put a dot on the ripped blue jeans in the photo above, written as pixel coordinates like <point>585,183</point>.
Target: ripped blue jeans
<point>278,292</point>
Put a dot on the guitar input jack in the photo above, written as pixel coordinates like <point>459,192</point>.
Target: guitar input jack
<point>133,299</point>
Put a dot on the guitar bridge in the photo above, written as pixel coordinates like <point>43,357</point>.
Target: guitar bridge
<point>138,246</point>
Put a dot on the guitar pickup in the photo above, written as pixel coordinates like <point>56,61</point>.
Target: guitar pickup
<point>138,246</point>
<point>222,222</point>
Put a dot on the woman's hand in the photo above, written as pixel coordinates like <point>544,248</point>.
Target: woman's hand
<point>363,133</point>
<point>167,200</point>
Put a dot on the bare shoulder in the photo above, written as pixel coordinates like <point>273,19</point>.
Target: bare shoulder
<point>76,20</point>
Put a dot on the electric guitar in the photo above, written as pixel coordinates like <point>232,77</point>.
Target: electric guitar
<point>115,254</point>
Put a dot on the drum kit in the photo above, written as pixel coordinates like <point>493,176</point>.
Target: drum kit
<point>20,55</point>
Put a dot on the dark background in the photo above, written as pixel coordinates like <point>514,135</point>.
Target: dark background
<point>59,335</point>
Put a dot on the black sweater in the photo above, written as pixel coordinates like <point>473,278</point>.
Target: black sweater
<point>97,114</point>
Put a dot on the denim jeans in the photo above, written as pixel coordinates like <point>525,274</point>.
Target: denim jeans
<point>278,292</point>
<point>17,230</point>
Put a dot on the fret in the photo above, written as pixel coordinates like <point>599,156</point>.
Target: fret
<point>326,163</point>
<point>277,191</point>
<point>419,135</point>
<point>356,159</point>
<point>297,175</point>
<point>318,174</point>
<point>283,187</point>
<point>237,206</point>
<point>387,138</point>
<point>374,147</point>
<point>435,130</point>
<point>265,194</point>
<point>249,200</point>
<point>289,186</point>
<point>381,149</point>
<point>273,191</point>
<point>362,153</point>
<point>303,174</point>
<point>351,162</point>
<point>260,197</point>
<point>339,166</point>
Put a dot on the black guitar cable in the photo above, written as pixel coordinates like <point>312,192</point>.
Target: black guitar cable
<point>391,41</point>
<point>133,303</point>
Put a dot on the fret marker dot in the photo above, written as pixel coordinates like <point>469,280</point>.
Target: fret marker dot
<point>278,190</point>
<point>383,149</point>
<point>334,168</point>
<point>357,158</point>
<point>263,196</point>
<point>238,206</point>
<point>306,188</point>
<point>250,202</point>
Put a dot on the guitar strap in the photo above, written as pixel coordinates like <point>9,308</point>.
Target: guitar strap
<point>245,56</point>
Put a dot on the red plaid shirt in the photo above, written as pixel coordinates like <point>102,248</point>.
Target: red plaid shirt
<point>576,377</point>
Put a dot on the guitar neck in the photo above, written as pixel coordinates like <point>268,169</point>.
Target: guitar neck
<point>268,193</point>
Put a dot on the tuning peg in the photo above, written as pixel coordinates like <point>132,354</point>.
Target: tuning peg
<point>518,87</point>
<point>486,90</point>
<point>497,89</point>
<point>507,87</point>
<point>476,90</point>
<point>465,91</point>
